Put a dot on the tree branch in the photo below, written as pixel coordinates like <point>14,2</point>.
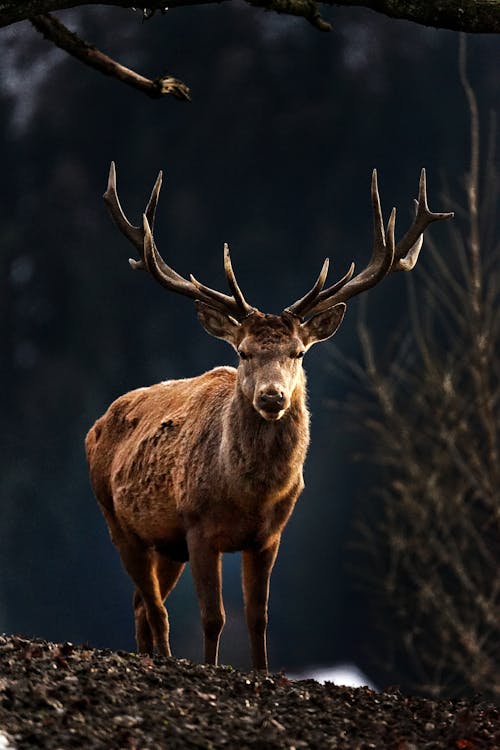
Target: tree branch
<point>307,9</point>
<point>53,30</point>
<point>479,16</point>
<point>472,16</point>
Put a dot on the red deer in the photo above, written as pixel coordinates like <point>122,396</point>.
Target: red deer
<point>190,469</point>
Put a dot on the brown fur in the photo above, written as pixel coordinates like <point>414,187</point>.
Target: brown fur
<point>190,469</point>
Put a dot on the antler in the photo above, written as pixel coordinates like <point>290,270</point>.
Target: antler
<point>386,256</point>
<point>151,260</point>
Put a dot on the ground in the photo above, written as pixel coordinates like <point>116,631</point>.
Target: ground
<point>61,696</point>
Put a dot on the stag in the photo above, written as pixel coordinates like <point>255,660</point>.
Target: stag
<point>190,469</point>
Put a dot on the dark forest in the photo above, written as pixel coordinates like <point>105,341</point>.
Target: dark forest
<point>273,155</point>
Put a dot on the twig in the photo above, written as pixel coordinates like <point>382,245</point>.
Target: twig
<point>481,372</point>
<point>56,32</point>
<point>472,179</point>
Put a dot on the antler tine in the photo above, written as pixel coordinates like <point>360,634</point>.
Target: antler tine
<point>135,234</point>
<point>327,293</point>
<point>157,267</point>
<point>408,248</point>
<point>132,233</point>
<point>150,212</point>
<point>151,260</point>
<point>233,284</point>
<point>238,299</point>
<point>153,200</point>
<point>218,299</point>
<point>301,305</point>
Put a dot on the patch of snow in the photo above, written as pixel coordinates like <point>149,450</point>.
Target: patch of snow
<point>6,742</point>
<point>342,674</point>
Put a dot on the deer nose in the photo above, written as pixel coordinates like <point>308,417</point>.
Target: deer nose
<point>271,399</point>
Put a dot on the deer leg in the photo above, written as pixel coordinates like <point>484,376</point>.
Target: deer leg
<point>131,558</point>
<point>168,572</point>
<point>140,564</point>
<point>206,566</point>
<point>143,634</point>
<point>256,573</point>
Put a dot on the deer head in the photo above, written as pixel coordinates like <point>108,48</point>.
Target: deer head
<point>271,347</point>
<point>270,350</point>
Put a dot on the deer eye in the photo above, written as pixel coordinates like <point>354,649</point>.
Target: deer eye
<point>297,355</point>
<point>244,355</point>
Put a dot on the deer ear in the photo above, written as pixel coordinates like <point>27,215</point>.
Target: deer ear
<point>217,323</point>
<point>323,325</point>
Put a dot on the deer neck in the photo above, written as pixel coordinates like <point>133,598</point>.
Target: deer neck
<point>262,453</point>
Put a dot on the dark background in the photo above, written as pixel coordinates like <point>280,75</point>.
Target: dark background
<point>274,156</point>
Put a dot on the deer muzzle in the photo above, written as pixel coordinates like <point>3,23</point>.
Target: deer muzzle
<point>271,403</point>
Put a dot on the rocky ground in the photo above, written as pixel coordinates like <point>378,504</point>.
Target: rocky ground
<point>61,696</point>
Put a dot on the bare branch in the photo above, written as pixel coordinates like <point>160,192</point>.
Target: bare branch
<point>429,551</point>
<point>472,177</point>
<point>478,16</point>
<point>56,32</point>
<point>472,16</point>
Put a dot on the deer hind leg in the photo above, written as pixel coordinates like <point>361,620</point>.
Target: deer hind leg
<point>256,573</point>
<point>206,567</point>
<point>143,633</point>
<point>124,545</point>
<point>168,572</point>
<point>140,564</point>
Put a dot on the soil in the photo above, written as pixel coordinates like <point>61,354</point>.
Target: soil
<point>61,696</point>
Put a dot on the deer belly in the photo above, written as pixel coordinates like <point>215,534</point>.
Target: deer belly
<point>149,514</point>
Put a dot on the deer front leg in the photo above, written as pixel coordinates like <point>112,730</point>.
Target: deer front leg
<point>206,567</point>
<point>256,573</point>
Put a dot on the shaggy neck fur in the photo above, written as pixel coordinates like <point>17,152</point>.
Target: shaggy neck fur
<point>263,453</point>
